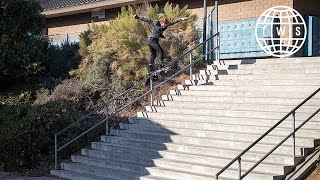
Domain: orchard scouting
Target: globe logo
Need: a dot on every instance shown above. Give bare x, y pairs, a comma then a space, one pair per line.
281, 31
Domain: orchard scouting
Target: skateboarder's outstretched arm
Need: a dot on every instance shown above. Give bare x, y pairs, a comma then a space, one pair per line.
144, 19
178, 20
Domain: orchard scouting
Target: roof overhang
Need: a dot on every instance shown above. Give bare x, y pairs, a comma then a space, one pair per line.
90, 7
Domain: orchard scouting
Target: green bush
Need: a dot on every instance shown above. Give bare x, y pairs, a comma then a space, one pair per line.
27, 131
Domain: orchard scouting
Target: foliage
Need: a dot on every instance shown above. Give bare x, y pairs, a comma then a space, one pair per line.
85, 41
116, 55
42, 96
21, 47
61, 59
69, 90
27, 131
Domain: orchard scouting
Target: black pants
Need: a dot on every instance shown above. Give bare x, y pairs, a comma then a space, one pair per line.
155, 49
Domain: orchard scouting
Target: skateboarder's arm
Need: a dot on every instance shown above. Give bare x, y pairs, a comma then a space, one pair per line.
144, 19
178, 20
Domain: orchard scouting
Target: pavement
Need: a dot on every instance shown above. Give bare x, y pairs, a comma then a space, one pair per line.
5, 175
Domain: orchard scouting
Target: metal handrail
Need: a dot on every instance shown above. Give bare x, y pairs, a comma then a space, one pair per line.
294, 130
106, 104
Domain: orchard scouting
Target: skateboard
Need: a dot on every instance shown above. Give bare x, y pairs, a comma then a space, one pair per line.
161, 70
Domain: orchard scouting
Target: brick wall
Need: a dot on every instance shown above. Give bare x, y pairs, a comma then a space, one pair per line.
231, 10
75, 23
235, 9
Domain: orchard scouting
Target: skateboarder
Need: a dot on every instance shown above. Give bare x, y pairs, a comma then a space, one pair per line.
158, 27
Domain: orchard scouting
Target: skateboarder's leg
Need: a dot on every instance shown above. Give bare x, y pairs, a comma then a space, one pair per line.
152, 58
156, 46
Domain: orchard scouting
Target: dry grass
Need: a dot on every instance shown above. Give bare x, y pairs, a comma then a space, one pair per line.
313, 176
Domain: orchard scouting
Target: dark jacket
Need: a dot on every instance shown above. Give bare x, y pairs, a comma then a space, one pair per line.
157, 30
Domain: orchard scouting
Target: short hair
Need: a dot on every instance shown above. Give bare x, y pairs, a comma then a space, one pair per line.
165, 21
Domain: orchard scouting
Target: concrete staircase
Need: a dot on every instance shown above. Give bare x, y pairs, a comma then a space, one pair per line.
198, 128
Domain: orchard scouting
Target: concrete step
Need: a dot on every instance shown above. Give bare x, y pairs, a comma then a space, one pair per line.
301, 70
230, 106
257, 88
206, 169
173, 128
185, 174
100, 171
238, 100
243, 82
66, 174
117, 156
246, 113
110, 163
264, 83
175, 174
187, 157
269, 61
203, 150
198, 82
220, 140
286, 60
217, 120
266, 76
230, 135
149, 177
226, 93
275, 65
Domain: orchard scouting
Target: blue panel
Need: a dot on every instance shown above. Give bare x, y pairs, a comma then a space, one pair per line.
237, 26
238, 39
230, 35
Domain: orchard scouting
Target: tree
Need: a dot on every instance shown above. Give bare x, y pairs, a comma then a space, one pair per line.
21, 47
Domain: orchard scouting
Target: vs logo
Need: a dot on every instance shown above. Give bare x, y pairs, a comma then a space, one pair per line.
281, 31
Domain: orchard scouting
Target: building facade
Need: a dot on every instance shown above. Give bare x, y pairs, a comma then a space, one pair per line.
67, 18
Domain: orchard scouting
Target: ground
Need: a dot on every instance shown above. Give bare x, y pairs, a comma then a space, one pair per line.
314, 176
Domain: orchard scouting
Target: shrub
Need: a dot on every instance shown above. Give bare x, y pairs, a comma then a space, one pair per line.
116, 55
27, 139
69, 90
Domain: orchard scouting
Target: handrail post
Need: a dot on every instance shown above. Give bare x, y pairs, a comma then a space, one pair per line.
151, 91
239, 168
106, 112
293, 134
218, 48
191, 65
204, 48
55, 152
